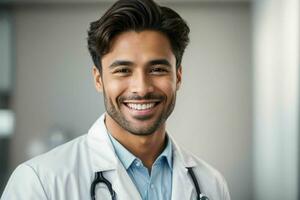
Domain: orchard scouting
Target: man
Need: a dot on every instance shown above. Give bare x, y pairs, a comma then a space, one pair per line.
137, 47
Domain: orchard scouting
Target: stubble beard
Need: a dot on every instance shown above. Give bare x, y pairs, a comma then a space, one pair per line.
121, 120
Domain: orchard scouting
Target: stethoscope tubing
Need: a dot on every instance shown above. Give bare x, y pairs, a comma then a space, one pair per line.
99, 178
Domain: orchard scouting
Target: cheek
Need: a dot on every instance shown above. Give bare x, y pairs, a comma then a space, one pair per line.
113, 88
168, 87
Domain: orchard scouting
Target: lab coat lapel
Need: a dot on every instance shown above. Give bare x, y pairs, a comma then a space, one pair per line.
103, 158
101, 151
124, 186
182, 185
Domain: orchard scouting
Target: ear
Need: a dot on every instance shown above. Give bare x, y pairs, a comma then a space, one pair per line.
97, 79
178, 77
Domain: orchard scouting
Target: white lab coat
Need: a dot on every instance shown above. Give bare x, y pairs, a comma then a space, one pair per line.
66, 173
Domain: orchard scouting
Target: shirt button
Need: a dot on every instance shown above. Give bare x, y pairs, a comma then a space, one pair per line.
152, 186
137, 164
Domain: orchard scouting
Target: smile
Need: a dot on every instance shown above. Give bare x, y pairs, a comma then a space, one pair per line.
140, 106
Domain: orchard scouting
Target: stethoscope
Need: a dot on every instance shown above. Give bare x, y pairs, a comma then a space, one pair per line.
99, 178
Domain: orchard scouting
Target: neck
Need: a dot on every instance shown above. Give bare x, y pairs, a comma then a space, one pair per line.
145, 147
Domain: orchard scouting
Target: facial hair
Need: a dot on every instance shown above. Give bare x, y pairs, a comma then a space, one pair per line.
121, 120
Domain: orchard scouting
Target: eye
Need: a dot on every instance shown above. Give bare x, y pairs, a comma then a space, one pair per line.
122, 71
159, 70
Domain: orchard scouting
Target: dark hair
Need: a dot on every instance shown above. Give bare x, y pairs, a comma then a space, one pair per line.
137, 15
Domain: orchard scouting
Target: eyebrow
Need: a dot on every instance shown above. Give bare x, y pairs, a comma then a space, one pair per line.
160, 62
121, 62
129, 63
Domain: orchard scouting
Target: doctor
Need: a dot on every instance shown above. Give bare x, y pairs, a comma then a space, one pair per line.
137, 47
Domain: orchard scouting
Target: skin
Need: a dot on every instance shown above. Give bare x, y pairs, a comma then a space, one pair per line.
139, 68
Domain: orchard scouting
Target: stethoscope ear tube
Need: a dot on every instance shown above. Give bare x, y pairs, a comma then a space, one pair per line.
200, 196
93, 188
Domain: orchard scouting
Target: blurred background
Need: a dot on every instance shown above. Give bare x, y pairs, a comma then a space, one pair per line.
237, 108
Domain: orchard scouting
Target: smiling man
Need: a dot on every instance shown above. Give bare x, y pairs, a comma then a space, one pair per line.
139, 80
137, 47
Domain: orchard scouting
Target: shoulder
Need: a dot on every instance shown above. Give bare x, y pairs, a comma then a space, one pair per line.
24, 184
40, 176
60, 158
207, 170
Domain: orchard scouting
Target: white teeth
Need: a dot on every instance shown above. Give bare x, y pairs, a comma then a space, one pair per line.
139, 106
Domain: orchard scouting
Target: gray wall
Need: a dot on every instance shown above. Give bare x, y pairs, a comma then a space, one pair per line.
214, 110
212, 119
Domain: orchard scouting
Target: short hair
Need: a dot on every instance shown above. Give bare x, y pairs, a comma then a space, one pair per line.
137, 15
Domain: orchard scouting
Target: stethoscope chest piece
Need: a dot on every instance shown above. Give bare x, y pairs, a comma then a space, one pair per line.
203, 197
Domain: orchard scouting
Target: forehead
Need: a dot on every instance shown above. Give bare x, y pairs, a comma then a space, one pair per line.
140, 46
149, 37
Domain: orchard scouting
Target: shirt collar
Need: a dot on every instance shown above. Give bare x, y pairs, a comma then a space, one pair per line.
127, 158
167, 153
123, 154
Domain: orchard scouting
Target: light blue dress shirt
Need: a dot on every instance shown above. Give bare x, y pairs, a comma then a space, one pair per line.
158, 185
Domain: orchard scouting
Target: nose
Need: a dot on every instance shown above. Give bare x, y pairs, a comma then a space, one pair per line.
141, 84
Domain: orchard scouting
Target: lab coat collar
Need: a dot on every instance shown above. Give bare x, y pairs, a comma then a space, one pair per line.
181, 179
180, 156
101, 151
